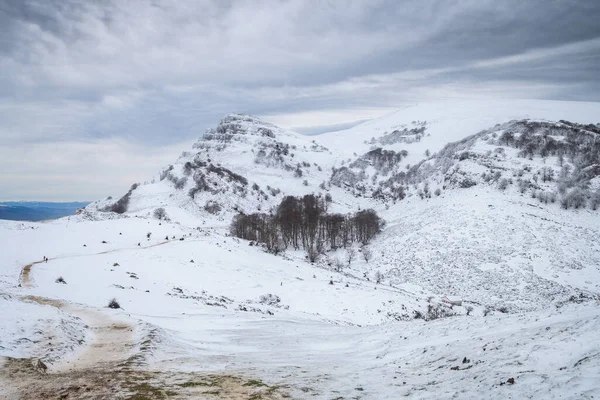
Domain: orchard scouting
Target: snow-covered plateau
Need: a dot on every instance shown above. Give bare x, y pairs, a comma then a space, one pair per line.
480, 280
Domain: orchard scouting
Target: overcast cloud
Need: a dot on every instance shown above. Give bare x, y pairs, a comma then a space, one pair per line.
95, 95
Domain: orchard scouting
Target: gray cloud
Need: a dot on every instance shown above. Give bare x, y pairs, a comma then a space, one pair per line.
144, 74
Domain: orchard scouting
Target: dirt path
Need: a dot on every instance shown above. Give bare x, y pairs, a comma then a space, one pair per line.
25, 276
110, 366
86, 372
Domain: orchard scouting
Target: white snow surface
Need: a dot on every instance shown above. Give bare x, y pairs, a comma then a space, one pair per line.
528, 275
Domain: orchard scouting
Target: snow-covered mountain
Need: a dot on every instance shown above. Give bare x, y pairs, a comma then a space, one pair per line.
492, 205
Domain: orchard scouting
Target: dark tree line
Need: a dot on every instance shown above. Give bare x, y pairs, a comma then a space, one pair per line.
303, 223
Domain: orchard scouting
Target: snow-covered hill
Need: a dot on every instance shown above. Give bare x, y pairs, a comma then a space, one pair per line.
491, 205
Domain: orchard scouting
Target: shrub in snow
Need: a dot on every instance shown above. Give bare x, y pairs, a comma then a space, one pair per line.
576, 198
467, 183
160, 213
436, 311
60, 279
269, 299
180, 183
438, 192
503, 184
378, 277
487, 310
114, 304
350, 255
212, 207
165, 172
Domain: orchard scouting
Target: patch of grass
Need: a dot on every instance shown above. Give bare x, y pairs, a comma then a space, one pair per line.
195, 384
271, 390
254, 383
145, 391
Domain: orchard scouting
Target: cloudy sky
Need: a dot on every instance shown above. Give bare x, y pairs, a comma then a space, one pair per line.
96, 95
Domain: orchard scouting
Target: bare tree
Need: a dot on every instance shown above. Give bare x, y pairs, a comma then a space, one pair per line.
312, 254
339, 265
367, 254
378, 277
350, 255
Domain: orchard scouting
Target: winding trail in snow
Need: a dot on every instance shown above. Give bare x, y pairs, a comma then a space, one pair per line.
108, 366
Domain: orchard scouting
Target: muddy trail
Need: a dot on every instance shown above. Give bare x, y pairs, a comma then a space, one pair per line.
122, 381
111, 365
25, 276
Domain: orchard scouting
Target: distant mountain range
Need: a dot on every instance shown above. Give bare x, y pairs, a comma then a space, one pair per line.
37, 210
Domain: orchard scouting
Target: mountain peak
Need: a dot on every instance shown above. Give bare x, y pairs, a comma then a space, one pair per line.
242, 124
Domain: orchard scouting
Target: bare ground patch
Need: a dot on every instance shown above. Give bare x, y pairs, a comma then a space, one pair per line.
117, 381
111, 366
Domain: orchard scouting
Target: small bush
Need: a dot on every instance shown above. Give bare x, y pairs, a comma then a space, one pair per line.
467, 183
378, 277
503, 184
437, 311
160, 213
60, 279
180, 183
212, 207
114, 304
269, 299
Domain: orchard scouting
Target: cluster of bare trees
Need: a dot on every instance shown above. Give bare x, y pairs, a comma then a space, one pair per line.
303, 223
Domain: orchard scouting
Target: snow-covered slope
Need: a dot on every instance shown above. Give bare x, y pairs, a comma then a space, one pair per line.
449, 121
498, 215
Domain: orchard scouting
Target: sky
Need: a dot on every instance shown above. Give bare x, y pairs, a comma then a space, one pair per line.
96, 95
